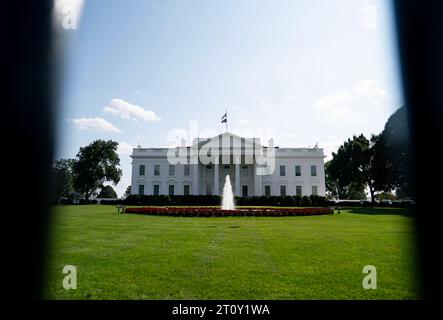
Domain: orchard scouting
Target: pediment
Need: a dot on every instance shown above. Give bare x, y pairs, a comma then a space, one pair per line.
228, 136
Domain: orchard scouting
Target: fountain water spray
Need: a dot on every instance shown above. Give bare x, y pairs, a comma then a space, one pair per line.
228, 196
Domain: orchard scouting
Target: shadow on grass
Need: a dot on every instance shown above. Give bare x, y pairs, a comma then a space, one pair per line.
407, 212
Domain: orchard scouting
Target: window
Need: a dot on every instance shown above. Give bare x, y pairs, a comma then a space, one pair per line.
313, 170
208, 190
208, 170
156, 170
282, 171
267, 191
267, 169
156, 189
171, 189
283, 191
171, 170
186, 190
314, 190
297, 171
298, 191
141, 170
244, 171
186, 169
244, 191
141, 189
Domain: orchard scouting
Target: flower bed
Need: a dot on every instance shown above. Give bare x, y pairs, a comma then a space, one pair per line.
218, 212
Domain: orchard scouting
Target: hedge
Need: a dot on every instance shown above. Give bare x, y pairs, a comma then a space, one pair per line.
366, 203
274, 201
203, 200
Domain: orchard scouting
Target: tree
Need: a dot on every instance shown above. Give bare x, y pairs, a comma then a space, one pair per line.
342, 182
386, 196
393, 155
107, 192
339, 184
352, 168
62, 179
96, 164
357, 194
381, 163
363, 162
128, 191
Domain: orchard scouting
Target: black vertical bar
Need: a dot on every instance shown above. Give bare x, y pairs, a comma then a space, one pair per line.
27, 118
420, 39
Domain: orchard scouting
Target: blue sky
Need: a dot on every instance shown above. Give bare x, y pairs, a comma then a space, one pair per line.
301, 72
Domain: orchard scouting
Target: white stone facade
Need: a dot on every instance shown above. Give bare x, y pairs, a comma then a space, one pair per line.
296, 170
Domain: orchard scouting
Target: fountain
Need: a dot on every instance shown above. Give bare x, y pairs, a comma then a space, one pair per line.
228, 197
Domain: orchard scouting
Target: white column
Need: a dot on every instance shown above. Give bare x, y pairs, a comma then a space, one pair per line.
216, 177
196, 178
257, 182
237, 177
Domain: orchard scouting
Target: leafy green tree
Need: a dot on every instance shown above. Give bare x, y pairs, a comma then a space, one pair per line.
341, 182
386, 196
357, 194
107, 192
96, 164
363, 162
352, 168
62, 179
338, 189
393, 155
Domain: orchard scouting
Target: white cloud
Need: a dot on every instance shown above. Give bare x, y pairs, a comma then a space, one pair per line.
368, 88
263, 103
343, 103
140, 93
126, 110
363, 108
98, 124
290, 98
334, 102
124, 148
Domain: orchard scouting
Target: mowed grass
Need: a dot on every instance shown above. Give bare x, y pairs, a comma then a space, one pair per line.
128, 256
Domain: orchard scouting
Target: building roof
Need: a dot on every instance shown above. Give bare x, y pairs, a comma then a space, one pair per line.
242, 142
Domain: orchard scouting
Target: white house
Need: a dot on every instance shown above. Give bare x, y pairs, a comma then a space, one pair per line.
254, 169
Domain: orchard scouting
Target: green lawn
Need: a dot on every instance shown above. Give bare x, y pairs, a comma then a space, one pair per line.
132, 256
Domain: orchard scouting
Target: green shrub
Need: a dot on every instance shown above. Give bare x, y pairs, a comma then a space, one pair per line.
203, 200
305, 202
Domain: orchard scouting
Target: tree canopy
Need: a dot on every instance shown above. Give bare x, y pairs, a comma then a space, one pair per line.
62, 179
381, 163
393, 152
351, 168
96, 164
107, 192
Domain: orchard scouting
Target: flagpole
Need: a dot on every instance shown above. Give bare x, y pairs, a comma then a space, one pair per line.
226, 120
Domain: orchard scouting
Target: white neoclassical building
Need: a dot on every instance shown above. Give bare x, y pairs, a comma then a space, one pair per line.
254, 169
